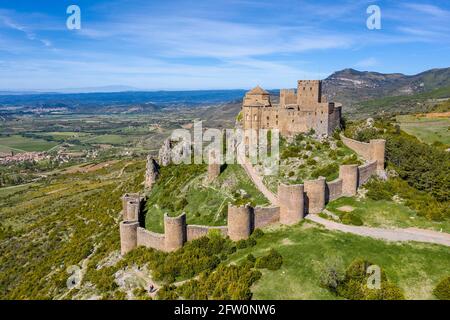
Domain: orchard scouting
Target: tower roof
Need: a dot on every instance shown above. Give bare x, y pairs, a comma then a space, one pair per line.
257, 90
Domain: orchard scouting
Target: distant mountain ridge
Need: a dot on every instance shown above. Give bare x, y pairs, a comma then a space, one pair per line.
350, 86
355, 89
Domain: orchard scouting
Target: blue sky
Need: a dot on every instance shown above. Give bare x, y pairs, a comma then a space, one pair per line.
212, 44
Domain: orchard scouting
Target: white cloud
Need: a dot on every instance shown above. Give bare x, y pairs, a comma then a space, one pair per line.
429, 9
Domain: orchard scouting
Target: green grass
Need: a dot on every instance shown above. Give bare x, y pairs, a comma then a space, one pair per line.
113, 139
387, 214
421, 102
415, 267
427, 130
18, 143
184, 188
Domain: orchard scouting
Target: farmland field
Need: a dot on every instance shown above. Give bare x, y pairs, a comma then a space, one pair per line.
428, 130
18, 143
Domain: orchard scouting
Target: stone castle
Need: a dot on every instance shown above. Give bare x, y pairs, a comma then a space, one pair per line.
299, 111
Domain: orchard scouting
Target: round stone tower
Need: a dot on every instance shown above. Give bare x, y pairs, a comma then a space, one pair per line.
133, 210
315, 195
174, 232
377, 151
239, 222
213, 166
292, 203
128, 236
349, 176
127, 197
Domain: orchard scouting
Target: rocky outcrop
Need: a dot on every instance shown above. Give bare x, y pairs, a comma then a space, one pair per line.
151, 173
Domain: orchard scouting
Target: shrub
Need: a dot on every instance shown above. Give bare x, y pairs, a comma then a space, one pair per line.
442, 290
328, 171
311, 162
352, 219
353, 285
257, 233
246, 243
272, 261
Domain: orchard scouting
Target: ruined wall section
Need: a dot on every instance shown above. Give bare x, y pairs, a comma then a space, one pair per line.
333, 190
372, 151
150, 239
196, 231
265, 216
366, 171
361, 148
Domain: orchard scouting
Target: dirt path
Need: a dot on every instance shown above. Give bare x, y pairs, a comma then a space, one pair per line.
409, 234
257, 180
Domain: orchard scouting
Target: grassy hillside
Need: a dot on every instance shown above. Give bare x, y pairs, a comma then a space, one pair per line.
184, 188
305, 158
427, 129
422, 102
69, 219
416, 268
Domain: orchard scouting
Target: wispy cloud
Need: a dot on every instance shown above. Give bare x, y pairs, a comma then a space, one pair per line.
428, 9
27, 31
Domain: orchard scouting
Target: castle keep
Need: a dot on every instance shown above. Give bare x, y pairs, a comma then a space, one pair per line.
299, 110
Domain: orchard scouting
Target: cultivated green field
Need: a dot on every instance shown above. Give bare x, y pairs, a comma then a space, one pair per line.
18, 143
428, 130
415, 267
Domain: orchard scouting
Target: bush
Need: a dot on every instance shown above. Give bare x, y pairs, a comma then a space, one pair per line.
328, 171
352, 219
311, 162
246, 243
442, 290
257, 233
353, 285
423, 203
272, 261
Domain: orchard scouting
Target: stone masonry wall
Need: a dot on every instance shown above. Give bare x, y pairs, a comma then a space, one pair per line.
333, 190
150, 239
361, 148
195, 231
366, 171
266, 215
